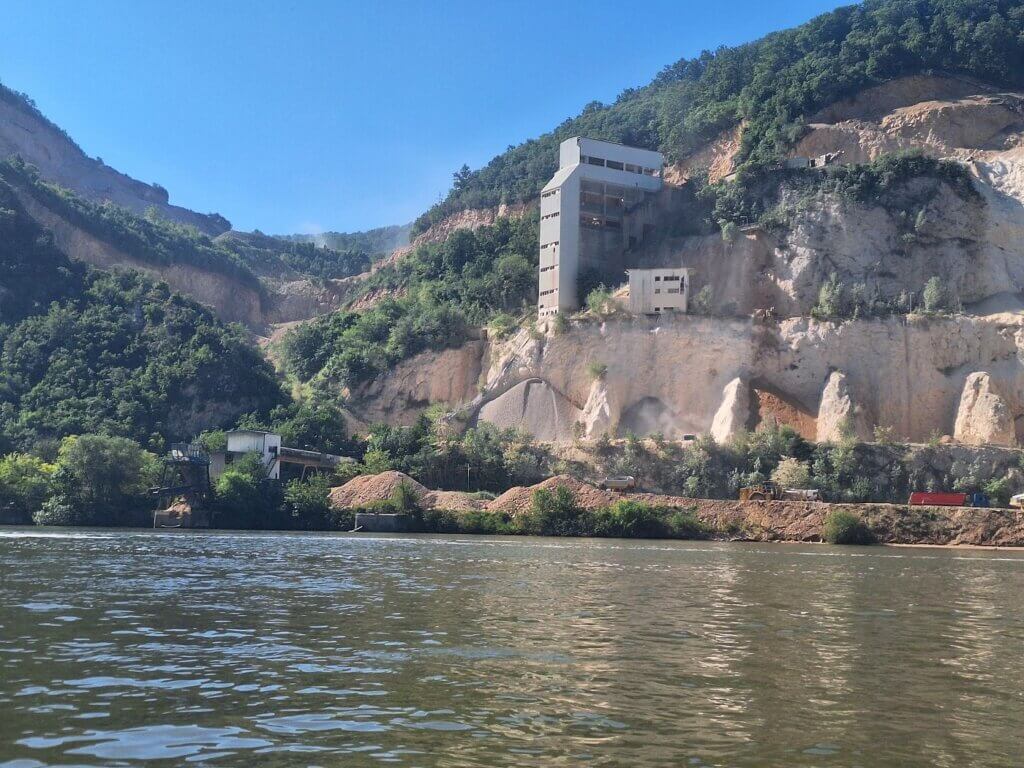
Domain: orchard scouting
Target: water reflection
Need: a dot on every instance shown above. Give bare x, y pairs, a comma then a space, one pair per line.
124, 648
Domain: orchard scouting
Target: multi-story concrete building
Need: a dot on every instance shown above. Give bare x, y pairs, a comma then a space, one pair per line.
654, 291
595, 209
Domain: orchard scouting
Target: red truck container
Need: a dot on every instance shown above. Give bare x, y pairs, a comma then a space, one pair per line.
923, 498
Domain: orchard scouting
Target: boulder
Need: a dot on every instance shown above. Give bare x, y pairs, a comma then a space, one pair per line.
983, 416
838, 415
733, 414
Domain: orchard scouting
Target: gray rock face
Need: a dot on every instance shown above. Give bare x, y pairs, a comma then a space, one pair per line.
734, 412
838, 415
534, 406
983, 416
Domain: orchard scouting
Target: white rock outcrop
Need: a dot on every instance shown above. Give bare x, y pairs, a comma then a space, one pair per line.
838, 415
536, 407
597, 417
733, 414
983, 417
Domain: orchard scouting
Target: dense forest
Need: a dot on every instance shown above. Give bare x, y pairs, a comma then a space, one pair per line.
773, 84
88, 351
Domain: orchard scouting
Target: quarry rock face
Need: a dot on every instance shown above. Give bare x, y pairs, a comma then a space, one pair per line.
983, 417
534, 406
733, 414
597, 412
912, 373
838, 415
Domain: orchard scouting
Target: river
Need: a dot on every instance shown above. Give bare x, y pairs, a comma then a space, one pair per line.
222, 649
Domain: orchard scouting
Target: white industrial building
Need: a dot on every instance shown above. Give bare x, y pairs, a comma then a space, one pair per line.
595, 209
655, 291
267, 445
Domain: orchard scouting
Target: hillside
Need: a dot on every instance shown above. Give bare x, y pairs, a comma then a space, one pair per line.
25, 132
83, 350
770, 86
880, 295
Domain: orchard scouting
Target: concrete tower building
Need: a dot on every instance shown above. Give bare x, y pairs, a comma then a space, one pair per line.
595, 209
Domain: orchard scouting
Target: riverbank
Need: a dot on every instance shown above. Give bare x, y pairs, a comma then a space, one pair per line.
585, 510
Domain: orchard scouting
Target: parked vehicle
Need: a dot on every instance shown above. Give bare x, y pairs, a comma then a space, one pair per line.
618, 483
772, 491
1017, 501
937, 499
979, 499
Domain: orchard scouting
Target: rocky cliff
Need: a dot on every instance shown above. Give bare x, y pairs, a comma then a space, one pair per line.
25, 132
761, 356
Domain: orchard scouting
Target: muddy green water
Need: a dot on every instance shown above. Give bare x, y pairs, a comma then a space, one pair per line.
169, 648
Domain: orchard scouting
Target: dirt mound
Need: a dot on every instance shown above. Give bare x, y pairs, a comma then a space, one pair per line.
517, 500
367, 489
454, 501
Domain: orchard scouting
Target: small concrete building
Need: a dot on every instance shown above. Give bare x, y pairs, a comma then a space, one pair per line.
592, 212
268, 446
655, 291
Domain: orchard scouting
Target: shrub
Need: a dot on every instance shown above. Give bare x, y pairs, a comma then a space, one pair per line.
597, 370
701, 303
555, 513
842, 527
935, 297
307, 502
404, 499
600, 302
792, 473
24, 486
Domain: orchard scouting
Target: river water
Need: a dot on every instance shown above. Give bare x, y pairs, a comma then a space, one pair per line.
172, 648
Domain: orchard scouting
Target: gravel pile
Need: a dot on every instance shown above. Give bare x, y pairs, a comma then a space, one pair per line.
364, 490
517, 500
454, 501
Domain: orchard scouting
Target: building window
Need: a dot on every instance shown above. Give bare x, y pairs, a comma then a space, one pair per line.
672, 290
614, 165
595, 161
657, 278
551, 215
593, 222
632, 168
549, 193
657, 290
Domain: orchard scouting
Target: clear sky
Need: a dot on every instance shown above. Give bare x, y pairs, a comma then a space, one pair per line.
294, 116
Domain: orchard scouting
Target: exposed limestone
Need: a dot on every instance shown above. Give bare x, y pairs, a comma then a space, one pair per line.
448, 377
983, 416
733, 414
597, 412
839, 416
534, 406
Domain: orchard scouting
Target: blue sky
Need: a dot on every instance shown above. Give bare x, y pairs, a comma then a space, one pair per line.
307, 116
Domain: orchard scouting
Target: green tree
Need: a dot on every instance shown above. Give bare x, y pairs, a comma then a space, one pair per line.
308, 502
243, 498
555, 513
25, 483
792, 473
99, 480
935, 297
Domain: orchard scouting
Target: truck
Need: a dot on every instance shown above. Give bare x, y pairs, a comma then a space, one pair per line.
773, 491
937, 499
618, 483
